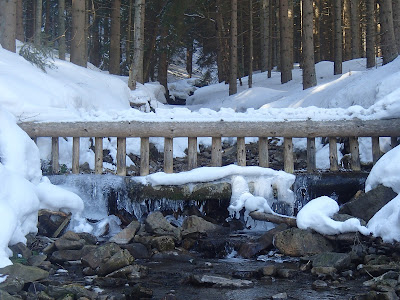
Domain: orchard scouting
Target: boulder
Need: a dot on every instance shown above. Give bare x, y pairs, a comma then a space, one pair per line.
62, 256
6, 296
97, 256
137, 250
127, 234
21, 249
163, 243
338, 261
70, 241
158, 225
119, 260
130, 272
77, 290
299, 242
25, 273
366, 205
220, 281
195, 224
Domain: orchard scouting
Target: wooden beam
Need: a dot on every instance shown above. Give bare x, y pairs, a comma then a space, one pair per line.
168, 155
355, 154
121, 156
241, 151
168, 128
192, 153
216, 152
98, 155
75, 155
55, 150
311, 156
263, 159
288, 155
333, 158
144, 156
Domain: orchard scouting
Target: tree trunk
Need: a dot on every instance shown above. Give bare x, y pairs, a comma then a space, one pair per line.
8, 24
388, 40
163, 61
317, 30
94, 53
20, 22
136, 70
78, 33
223, 46
47, 24
30, 20
189, 59
309, 77
346, 30
115, 41
233, 72
286, 67
128, 34
355, 29
396, 22
264, 34
370, 33
61, 29
251, 44
338, 37
291, 31
38, 23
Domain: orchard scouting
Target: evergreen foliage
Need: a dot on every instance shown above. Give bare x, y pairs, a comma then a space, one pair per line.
41, 57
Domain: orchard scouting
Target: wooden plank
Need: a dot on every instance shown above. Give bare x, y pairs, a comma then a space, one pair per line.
355, 154
311, 156
168, 128
192, 153
216, 152
263, 159
55, 155
75, 155
98, 155
376, 149
168, 155
393, 141
121, 156
144, 156
288, 161
333, 158
241, 151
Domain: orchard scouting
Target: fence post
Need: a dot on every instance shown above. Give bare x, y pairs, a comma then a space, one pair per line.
311, 157
355, 154
55, 155
192, 153
121, 156
393, 141
333, 158
288, 163
75, 155
216, 152
241, 151
263, 159
144, 156
168, 155
376, 150
98, 155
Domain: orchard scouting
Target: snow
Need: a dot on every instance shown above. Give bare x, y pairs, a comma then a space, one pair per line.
72, 93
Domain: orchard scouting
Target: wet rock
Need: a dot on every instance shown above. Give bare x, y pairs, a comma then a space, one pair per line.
50, 221
345, 217
319, 285
213, 247
376, 270
12, 285
110, 282
65, 255
240, 274
336, 260
127, 234
137, 250
366, 205
324, 272
195, 224
298, 242
6, 296
25, 273
269, 270
119, 260
90, 239
389, 279
22, 250
279, 296
163, 243
70, 241
158, 225
286, 273
77, 290
130, 272
249, 249
94, 258
37, 260
219, 281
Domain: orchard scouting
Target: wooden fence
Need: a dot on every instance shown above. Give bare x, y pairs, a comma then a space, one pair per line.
216, 129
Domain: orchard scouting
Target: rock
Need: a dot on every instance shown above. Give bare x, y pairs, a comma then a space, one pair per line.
366, 205
110, 281
173, 256
286, 273
269, 270
195, 224
243, 274
324, 271
319, 285
127, 234
130, 272
158, 225
94, 258
279, 296
65, 255
376, 270
345, 217
298, 242
90, 239
22, 250
336, 260
70, 241
37, 260
163, 243
119, 260
6, 296
60, 291
12, 285
249, 249
25, 273
137, 250
219, 281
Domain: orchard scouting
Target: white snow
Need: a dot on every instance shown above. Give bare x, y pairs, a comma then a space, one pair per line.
72, 93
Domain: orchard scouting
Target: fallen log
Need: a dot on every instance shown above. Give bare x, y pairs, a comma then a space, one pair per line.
277, 219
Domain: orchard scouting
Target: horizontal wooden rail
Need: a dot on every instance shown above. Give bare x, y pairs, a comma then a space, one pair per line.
171, 129
145, 129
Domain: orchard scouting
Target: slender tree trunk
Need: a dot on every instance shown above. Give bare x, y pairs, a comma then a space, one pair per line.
189, 59
251, 44
396, 22
163, 61
338, 37
270, 38
264, 34
47, 23
355, 29
291, 31
309, 77
286, 67
20, 22
115, 42
8, 24
347, 30
128, 34
388, 40
136, 70
370, 33
317, 29
38, 23
94, 56
241, 48
223, 46
233, 57
61, 29
30, 20
87, 29
78, 33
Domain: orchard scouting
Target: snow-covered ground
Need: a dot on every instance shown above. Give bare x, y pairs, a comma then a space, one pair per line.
71, 93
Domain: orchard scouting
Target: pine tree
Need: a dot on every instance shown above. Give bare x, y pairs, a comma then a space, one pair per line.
309, 77
8, 24
78, 39
233, 71
115, 41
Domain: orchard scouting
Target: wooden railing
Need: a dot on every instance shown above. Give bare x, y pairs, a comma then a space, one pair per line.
216, 129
